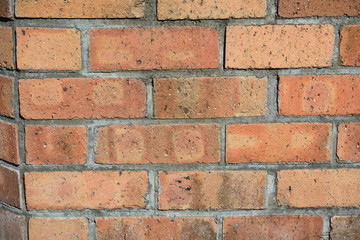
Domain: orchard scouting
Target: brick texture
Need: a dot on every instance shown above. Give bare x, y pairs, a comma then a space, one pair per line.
6, 96
7, 46
12, 226
350, 45
345, 227
9, 187
9, 146
348, 146
5, 9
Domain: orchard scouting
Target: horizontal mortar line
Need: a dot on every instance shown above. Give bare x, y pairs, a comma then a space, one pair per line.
9, 165
13, 209
7, 72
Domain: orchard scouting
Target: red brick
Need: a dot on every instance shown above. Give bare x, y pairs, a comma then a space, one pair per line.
82, 98
12, 226
348, 147
318, 8
56, 145
211, 9
9, 187
319, 188
6, 96
210, 97
279, 46
212, 190
350, 45
80, 9
154, 48
278, 142
5, 10
58, 229
158, 144
345, 227
88, 189
7, 46
48, 48
273, 227
149, 228
319, 95
9, 146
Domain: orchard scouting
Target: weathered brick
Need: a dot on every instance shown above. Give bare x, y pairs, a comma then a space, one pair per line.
158, 144
88, 189
278, 142
345, 227
211, 9
318, 8
210, 97
80, 9
319, 188
12, 226
319, 95
48, 48
148, 228
9, 187
279, 46
348, 147
350, 45
56, 145
273, 227
6, 96
154, 48
212, 190
5, 10
82, 98
6, 49
58, 229
9, 145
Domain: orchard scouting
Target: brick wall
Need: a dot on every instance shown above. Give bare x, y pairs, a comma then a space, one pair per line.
179, 119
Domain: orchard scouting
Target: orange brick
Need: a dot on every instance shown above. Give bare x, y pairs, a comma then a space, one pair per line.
319, 95
348, 146
350, 45
88, 189
210, 97
211, 9
154, 48
273, 227
82, 98
80, 9
212, 190
9, 145
9, 187
149, 228
48, 49
56, 145
58, 229
345, 227
319, 188
5, 9
12, 226
279, 46
6, 96
279, 142
158, 144
6, 49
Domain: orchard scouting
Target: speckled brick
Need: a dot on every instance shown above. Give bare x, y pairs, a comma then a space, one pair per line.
350, 45
5, 9
346, 227
7, 46
348, 144
12, 226
9, 187
6, 96
9, 144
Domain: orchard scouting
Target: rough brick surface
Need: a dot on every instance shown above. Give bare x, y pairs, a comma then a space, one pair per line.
345, 227
80, 9
350, 45
158, 144
5, 9
280, 142
6, 96
56, 145
12, 226
82, 98
319, 95
212, 190
7, 46
9, 187
9, 146
88, 189
58, 229
320, 8
281, 46
211, 9
48, 48
156, 228
348, 146
154, 48
210, 97
273, 227
319, 188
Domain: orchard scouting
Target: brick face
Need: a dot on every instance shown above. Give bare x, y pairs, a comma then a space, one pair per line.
6, 96
9, 146
9, 187
7, 46
350, 45
5, 9
349, 141
12, 226
345, 227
